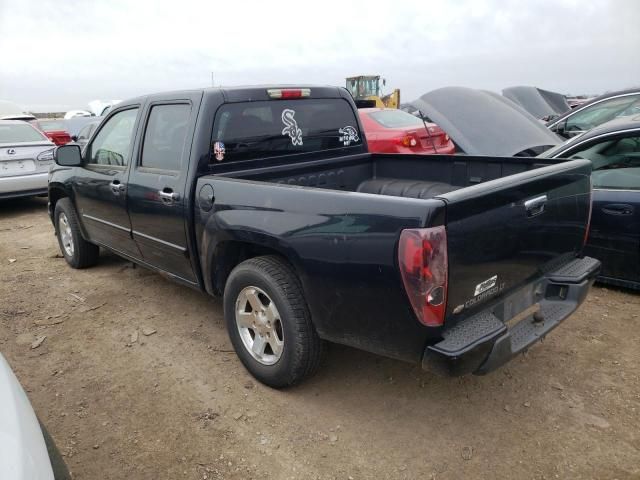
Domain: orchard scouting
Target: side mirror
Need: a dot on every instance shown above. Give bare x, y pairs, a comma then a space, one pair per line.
74, 138
561, 127
68, 156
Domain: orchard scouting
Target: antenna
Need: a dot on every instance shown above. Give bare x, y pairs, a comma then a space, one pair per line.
426, 127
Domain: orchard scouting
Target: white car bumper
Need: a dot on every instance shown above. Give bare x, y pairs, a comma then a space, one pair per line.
23, 452
23, 185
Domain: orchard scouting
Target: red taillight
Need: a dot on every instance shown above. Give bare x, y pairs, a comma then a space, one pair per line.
422, 255
286, 93
409, 140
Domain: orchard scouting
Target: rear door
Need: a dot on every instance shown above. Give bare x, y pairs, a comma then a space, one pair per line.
504, 233
157, 185
100, 187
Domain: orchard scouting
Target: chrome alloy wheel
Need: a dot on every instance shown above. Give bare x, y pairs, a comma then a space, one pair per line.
66, 237
259, 325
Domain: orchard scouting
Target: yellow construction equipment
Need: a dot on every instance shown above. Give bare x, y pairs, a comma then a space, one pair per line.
366, 91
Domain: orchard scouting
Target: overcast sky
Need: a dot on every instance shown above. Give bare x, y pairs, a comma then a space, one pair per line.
58, 54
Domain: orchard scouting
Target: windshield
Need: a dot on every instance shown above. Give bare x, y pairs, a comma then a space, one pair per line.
616, 161
364, 87
553, 152
19, 133
602, 112
51, 125
395, 119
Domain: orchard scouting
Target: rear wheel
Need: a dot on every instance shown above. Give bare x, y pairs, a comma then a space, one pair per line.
269, 324
76, 250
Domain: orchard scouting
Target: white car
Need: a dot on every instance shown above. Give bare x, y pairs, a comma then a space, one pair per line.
12, 111
76, 113
26, 450
100, 108
25, 157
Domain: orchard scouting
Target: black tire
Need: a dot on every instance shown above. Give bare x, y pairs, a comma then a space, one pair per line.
302, 348
84, 254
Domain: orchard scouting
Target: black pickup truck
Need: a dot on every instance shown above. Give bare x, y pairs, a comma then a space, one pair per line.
268, 197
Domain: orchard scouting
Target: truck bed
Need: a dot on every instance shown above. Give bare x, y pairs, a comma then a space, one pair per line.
409, 176
344, 244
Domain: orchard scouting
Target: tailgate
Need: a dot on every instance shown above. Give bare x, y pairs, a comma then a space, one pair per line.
505, 233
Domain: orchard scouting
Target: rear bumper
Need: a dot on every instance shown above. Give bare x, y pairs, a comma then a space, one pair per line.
489, 339
23, 185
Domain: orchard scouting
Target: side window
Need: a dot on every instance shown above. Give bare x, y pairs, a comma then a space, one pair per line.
165, 136
603, 112
85, 133
616, 163
112, 144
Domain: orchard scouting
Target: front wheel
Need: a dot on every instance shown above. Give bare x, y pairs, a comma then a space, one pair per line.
76, 250
269, 324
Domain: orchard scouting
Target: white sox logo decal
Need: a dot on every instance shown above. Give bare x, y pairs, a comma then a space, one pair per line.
348, 134
291, 127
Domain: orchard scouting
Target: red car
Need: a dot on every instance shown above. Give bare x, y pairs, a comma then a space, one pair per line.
394, 131
54, 129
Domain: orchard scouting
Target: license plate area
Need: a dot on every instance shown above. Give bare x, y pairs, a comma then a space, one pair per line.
520, 305
17, 167
513, 321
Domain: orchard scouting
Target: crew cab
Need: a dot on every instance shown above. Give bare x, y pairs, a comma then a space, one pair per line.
269, 197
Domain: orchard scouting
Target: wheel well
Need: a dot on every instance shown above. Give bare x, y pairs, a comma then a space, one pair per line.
230, 254
55, 194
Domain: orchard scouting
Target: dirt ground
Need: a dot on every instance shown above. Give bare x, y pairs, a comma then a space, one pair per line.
178, 404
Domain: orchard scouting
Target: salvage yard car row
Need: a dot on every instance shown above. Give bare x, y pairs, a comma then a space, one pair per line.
270, 198
461, 126
276, 202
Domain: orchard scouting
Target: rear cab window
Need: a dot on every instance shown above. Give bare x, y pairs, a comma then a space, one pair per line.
261, 129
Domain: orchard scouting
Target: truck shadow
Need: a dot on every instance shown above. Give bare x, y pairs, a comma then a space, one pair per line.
21, 206
350, 377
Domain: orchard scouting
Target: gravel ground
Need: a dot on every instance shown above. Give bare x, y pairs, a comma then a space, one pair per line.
135, 378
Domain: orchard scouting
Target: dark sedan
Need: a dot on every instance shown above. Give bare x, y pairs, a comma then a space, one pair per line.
596, 112
614, 237
83, 136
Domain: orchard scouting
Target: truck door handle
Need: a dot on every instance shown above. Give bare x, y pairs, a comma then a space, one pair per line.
618, 209
168, 196
535, 206
116, 187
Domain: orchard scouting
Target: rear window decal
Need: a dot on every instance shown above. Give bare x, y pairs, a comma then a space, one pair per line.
291, 127
348, 134
219, 151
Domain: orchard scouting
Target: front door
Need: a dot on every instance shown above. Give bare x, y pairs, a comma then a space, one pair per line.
101, 186
614, 237
157, 186
615, 232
